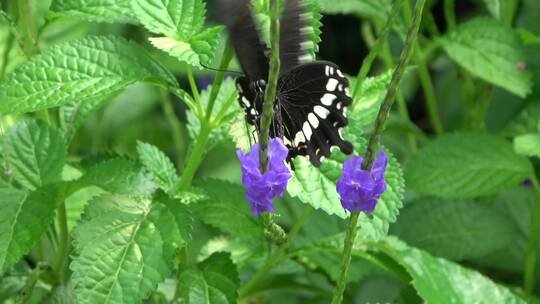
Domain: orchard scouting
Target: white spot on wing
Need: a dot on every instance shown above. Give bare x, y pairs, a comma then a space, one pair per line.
321, 111
328, 98
313, 120
307, 130
287, 141
253, 112
340, 87
331, 84
338, 105
327, 70
298, 138
340, 74
347, 92
304, 58
245, 101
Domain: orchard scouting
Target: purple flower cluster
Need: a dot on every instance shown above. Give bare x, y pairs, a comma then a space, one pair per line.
361, 189
262, 188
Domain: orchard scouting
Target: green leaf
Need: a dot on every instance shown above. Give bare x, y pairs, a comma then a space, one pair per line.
125, 247
369, 8
441, 281
317, 187
172, 18
196, 52
110, 11
73, 115
79, 70
182, 217
368, 101
226, 208
466, 165
24, 218
120, 176
527, 144
213, 281
181, 21
35, 152
159, 165
491, 51
454, 230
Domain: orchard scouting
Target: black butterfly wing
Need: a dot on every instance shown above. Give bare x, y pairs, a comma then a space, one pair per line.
244, 37
293, 35
250, 99
313, 98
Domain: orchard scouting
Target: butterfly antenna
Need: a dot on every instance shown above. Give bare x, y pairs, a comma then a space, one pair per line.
218, 70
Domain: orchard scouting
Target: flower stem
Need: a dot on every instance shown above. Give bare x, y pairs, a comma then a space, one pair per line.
270, 92
530, 258
273, 231
374, 141
195, 157
375, 50
277, 256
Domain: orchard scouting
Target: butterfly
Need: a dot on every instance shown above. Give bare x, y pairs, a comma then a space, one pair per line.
312, 97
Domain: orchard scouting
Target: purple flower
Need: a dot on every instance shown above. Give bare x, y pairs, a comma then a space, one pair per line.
360, 189
262, 188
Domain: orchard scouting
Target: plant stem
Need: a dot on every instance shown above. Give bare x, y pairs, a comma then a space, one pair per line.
270, 92
277, 256
449, 14
374, 141
216, 85
375, 50
176, 127
530, 258
28, 29
195, 157
195, 93
5, 56
26, 291
402, 105
192, 164
425, 81
64, 247
272, 230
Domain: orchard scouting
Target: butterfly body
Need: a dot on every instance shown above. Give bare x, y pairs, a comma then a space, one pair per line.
311, 97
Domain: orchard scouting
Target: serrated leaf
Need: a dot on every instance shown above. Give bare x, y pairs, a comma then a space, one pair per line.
491, 51
466, 165
182, 216
159, 165
368, 101
24, 218
80, 70
181, 21
172, 18
120, 176
214, 281
454, 230
109, 11
197, 51
441, 281
317, 187
124, 247
35, 152
527, 144
226, 208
